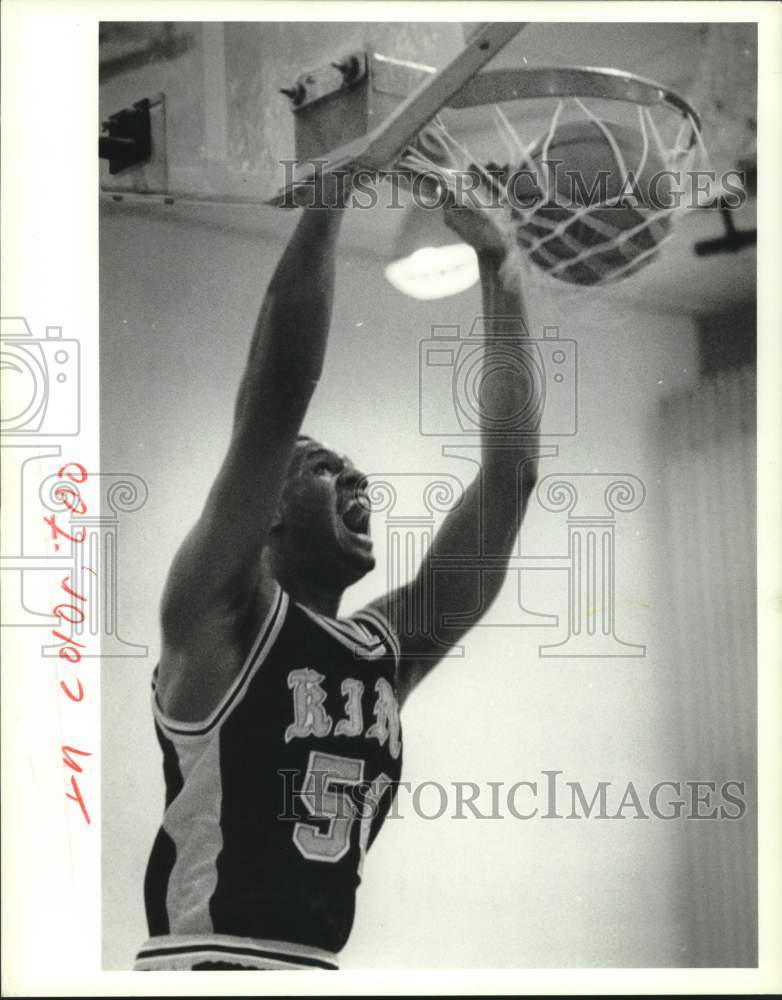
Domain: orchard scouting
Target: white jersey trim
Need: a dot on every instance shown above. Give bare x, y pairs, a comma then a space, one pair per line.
355, 635
183, 951
267, 636
380, 621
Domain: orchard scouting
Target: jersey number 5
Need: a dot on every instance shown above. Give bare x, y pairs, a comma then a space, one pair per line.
326, 795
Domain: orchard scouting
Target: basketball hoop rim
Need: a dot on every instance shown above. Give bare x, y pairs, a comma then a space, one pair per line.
533, 82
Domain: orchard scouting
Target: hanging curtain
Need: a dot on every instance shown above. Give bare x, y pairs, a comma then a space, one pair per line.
710, 462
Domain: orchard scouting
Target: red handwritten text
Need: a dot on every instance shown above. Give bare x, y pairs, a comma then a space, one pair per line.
70, 611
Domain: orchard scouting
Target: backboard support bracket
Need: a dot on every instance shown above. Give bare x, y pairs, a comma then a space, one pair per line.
376, 149
134, 143
347, 98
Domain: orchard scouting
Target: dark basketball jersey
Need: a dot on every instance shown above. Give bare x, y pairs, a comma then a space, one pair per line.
272, 802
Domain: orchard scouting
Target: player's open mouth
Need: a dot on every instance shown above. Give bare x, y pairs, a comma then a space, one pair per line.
355, 517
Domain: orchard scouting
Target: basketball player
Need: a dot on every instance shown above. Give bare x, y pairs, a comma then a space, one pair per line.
279, 721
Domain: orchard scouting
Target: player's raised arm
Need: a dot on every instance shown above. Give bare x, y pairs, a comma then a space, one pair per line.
217, 570
484, 525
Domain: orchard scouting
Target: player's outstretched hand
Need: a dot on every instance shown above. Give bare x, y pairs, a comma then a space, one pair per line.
472, 209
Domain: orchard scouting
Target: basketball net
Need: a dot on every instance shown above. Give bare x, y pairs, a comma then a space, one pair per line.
612, 254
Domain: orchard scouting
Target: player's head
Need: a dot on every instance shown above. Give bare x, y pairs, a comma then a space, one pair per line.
322, 524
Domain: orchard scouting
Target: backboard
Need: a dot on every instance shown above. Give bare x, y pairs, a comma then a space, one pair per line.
225, 126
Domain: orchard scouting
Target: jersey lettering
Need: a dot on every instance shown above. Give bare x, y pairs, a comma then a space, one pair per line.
386, 725
353, 725
311, 718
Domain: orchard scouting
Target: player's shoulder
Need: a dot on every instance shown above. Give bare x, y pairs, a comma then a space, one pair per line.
195, 681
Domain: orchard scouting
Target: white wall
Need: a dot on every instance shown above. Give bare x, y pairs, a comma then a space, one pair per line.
178, 303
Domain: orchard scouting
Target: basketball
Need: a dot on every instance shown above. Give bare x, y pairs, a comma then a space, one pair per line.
582, 166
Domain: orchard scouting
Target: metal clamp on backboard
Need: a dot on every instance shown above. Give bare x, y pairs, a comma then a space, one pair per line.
128, 138
134, 140
347, 98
